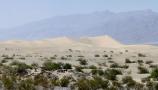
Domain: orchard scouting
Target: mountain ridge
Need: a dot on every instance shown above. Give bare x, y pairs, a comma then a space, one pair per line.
127, 27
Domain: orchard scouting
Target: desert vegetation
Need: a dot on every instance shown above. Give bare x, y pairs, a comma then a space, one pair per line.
77, 70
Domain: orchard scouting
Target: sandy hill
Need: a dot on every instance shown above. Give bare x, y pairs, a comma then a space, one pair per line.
101, 41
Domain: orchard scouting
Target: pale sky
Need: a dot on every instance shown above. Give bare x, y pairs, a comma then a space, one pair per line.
17, 12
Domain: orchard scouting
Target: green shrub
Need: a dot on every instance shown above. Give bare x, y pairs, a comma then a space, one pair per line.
96, 55
154, 73
27, 84
110, 74
78, 69
20, 67
41, 80
128, 81
149, 62
142, 70
83, 62
141, 55
92, 67
67, 66
48, 65
4, 61
114, 65
94, 71
64, 81
140, 61
8, 83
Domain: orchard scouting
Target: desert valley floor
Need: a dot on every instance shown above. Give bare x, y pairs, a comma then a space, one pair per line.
85, 56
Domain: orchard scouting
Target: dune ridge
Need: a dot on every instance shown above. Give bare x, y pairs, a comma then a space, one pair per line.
98, 41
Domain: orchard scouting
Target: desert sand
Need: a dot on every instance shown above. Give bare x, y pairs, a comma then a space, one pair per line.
100, 51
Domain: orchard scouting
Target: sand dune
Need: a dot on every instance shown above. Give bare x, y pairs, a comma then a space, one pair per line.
100, 41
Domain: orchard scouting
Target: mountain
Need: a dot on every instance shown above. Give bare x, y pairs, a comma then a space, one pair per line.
131, 27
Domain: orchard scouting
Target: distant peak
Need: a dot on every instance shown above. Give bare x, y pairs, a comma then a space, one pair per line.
107, 12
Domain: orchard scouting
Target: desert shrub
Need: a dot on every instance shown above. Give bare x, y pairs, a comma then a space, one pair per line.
142, 70
98, 83
92, 84
41, 80
8, 82
22, 58
143, 80
114, 65
105, 55
152, 85
141, 55
153, 66
110, 74
67, 66
27, 84
64, 81
78, 69
63, 58
81, 56
83, 84
35, 65
112, 51
94, 72
4, 61
128, 81
7, 57
53, 57
96, 55
82, 61
109, 58
149, 62
97, 72
100, 72
21, 68
48, 65
69, 55
55, 82
149, 85
154, 73
138, 86
92, 67
140, 61
129, 61
124, 66
111, 61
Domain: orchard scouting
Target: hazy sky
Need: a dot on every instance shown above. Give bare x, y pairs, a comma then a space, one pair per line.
17, 12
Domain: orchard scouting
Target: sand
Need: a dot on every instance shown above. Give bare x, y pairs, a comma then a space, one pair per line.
40, 50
